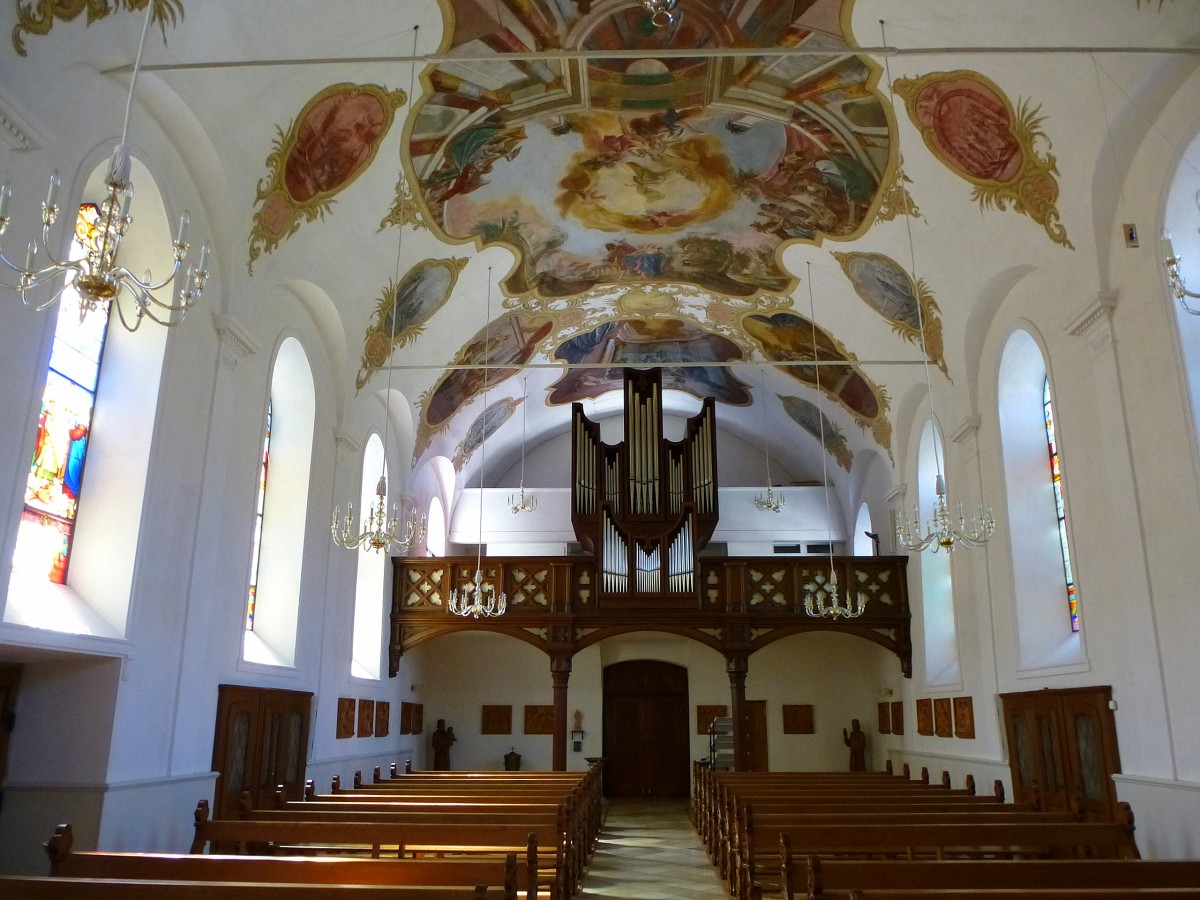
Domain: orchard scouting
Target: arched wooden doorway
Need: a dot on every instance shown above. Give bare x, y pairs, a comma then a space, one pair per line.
646, 746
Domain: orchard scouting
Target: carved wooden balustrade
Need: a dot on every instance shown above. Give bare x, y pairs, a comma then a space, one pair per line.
743, 603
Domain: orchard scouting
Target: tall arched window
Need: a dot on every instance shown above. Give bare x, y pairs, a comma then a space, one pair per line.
864, 544
937, 592
87, 590
291, 413
1043, 578
55, 475
1060, 510
367, 643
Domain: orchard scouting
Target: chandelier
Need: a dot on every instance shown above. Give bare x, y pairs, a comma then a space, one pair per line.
379, 532
662, 12
98, 276
1174, 276
480, 600
518, 504
769, 502
942, 532
821, 600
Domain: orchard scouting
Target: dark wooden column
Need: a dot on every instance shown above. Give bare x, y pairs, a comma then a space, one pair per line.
560, 674
736, 666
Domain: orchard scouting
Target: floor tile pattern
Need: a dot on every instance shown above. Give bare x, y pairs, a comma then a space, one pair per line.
648, 850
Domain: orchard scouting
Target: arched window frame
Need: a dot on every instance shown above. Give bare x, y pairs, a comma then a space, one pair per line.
292, 404
1045, 641
96, 599
366, 646
943, 668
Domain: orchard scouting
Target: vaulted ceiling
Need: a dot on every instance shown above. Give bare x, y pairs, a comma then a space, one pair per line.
559, 188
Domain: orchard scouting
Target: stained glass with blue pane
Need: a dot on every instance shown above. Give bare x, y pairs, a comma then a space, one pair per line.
55, 479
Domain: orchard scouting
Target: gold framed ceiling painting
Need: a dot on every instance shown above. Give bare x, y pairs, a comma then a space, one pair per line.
656, 168
330, 144
37, 17
971, 127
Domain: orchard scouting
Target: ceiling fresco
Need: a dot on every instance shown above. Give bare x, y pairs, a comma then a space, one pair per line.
648, 196
654, 168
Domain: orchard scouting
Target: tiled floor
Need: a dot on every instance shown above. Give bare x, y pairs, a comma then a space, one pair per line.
648, 850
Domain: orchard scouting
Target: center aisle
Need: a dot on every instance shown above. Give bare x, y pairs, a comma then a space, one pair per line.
648, 849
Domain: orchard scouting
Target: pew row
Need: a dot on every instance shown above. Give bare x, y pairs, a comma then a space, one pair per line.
760, 866
542, 847
464, 872
36, 887
834, 877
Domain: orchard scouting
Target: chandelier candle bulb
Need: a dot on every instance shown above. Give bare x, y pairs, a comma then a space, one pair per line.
51, 205
5, 195
181, 235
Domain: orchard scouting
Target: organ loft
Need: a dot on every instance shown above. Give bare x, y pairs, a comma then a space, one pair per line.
645, 508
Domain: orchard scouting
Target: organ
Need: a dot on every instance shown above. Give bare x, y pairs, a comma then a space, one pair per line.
645, 507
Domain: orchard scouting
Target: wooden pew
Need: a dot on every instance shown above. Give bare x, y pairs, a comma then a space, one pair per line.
1093, 893
761, 859
375, 839
34, 887
466, 872
830, 875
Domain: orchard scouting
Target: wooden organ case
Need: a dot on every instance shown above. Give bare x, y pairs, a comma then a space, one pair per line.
645, 507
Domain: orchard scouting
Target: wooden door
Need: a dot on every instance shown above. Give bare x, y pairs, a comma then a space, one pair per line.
1062, 747
754, 732
646, 745
260, 741
1090, 743
10, 677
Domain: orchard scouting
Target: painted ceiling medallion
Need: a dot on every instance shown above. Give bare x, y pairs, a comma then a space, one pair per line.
403, 309
37, 17
331, 142
806, 414
788, 339
497, 350
890, 291
642, 343
612, 170
970, 125
485, 425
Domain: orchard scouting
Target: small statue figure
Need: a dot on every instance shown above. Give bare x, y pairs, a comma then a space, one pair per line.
443, 737
578, 720
856, 740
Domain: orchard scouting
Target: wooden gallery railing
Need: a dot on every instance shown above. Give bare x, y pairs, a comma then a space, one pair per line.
740, 605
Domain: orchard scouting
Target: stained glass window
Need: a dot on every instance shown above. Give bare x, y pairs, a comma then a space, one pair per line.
1056, 479
258, 523
55, 479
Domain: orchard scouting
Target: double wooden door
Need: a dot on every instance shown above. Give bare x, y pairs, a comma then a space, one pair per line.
1062, 745
646, 743
260, 742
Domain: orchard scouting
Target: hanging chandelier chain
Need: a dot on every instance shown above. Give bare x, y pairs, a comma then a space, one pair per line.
767, 502
379, 531
480, 600
822, 601
941, 532
517, 502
